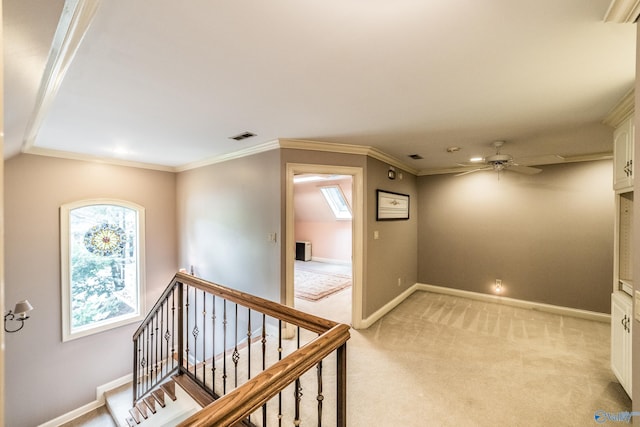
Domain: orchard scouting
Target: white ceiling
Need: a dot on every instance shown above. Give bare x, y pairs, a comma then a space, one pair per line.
167, 83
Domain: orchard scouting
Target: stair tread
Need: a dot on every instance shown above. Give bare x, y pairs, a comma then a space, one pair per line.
143, 409
193, 389
151, 403
169, 388
159, 396
135, 415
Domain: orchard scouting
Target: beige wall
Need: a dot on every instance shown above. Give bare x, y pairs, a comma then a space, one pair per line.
549, 236
393, 255
47, 377
225, 214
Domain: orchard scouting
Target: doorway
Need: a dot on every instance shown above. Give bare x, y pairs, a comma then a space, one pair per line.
343, 304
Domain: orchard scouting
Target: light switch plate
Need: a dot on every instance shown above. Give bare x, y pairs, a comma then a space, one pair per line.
637, 306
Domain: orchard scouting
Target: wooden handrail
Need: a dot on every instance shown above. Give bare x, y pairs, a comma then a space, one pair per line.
249, 397
270, 308
155, 307
246, 399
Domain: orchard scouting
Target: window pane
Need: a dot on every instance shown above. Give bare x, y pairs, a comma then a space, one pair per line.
103, 264
335, 198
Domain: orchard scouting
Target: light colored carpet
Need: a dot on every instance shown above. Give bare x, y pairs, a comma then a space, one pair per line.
313, 285
446, 361
438, 360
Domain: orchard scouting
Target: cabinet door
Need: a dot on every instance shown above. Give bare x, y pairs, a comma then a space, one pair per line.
617, 339
621, 322
623, 155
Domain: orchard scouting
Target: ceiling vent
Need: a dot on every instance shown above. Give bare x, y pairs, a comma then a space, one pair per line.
243, 135
416, 156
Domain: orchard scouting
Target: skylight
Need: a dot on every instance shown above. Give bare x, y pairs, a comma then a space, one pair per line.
337, 202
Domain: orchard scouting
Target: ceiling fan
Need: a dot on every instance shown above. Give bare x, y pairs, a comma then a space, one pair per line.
502, 162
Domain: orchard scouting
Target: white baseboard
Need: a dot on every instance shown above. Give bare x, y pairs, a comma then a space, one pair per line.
100, 390
330, 261
555, 309
387, 308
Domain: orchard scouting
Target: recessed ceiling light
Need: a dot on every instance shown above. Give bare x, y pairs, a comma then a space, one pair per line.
243, 135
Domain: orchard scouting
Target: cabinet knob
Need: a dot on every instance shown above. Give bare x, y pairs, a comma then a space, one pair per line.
628, 168
625, 323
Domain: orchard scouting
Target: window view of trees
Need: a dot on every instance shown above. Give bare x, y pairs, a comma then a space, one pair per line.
103, 263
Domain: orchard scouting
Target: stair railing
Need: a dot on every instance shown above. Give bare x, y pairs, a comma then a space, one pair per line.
254, 357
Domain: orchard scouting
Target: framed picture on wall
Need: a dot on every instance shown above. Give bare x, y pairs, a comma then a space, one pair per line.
391, 206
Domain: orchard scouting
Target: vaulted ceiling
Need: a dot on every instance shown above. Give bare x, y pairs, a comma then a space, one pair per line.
168, 83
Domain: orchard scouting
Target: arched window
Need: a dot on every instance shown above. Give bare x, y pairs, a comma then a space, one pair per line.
102, 253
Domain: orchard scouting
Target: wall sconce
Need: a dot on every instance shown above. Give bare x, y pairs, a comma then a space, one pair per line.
19, 314
498, 286
391, 174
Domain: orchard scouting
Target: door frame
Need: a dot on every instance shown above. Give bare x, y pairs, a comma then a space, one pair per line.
357, 231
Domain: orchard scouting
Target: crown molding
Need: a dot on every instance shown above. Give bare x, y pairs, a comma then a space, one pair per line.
279, 144
384, 157
623, 11
74, 23
621, 111
38, 151
333, 147
95, 159
261, 148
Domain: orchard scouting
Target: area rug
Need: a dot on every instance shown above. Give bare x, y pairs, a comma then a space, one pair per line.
316, 285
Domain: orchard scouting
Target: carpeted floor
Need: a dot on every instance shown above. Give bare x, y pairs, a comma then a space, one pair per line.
446, 361
438, 360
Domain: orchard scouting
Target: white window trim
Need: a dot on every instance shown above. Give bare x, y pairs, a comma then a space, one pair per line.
65, 258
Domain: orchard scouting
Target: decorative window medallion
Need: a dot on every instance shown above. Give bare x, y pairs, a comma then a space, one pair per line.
102, 266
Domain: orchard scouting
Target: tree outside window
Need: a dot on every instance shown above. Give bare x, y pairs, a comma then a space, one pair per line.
101, 248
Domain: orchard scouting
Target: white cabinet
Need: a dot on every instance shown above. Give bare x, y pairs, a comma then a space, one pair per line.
621, 119
623, 243
621, 324
623, 155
